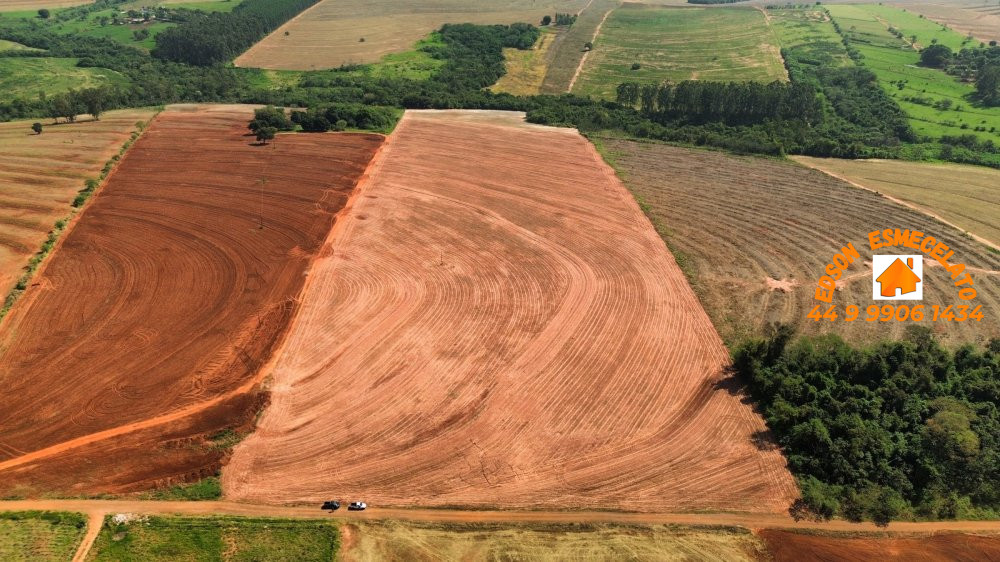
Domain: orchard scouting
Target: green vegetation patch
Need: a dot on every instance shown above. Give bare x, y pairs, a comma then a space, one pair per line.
26, 77
937, 103
40, 535
650, 45
12, 46
127, 537
902, 429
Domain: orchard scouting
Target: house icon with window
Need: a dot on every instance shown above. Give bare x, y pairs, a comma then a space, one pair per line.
900, 277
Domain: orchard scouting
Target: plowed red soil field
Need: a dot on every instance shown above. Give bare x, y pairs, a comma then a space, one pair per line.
793, 547
499, 325
152, 321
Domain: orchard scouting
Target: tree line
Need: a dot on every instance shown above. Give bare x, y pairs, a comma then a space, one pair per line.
218, 37
901, 429
734, 103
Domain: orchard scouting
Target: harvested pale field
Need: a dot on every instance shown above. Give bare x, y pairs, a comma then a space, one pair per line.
375, 540
787, 546
497, 324
330, 33
150, 325
680, 43
965, 196
977, 17
41, 175
526, 68
756, 234
20, 5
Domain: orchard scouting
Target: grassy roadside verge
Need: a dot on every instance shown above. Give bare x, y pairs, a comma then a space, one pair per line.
40, 535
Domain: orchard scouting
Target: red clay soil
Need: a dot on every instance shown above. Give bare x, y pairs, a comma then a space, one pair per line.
953, 547
499, 325
150, 325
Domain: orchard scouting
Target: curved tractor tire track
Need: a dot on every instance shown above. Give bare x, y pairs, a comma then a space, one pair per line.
152, 322
499, 325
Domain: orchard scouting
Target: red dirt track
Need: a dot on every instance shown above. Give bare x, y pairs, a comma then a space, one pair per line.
500, 326
786, 546
151, 323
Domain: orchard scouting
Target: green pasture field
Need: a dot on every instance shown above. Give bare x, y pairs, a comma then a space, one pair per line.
12, 46
25, 77
91, 26
152, 539
414, 64
808, 28
925, 30
675, 44
896, 64
40, 536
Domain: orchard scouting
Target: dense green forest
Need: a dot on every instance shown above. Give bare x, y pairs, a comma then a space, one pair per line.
899, 429
219, 37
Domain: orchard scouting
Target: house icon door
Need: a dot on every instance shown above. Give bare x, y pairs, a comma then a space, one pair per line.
897, 278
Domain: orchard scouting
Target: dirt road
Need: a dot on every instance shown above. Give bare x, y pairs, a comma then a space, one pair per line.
748, 520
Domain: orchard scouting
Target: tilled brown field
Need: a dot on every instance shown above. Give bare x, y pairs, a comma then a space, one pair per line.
756, 235
41, 175
330, 33
150, 325
787, 546
499, 325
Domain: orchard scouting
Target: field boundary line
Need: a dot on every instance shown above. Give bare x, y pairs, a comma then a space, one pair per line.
920, 209
71, 220
259, 377
583, 59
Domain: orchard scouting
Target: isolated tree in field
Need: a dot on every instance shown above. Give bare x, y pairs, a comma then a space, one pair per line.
37, 127
44, 14
270, 116
265, 134
935, 56
66, 106
588, 46
988, 85
94, 101
546, 20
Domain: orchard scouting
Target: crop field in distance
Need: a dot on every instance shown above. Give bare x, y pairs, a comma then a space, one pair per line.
374, 540
40, 536
196, 247
337, 32
568, 54
978, 17
675, 44
602, 376
965, 196
776, 226
166, 539
32, 5
895, 61
41, 175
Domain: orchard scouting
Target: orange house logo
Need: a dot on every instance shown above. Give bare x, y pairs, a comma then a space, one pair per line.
897, 278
